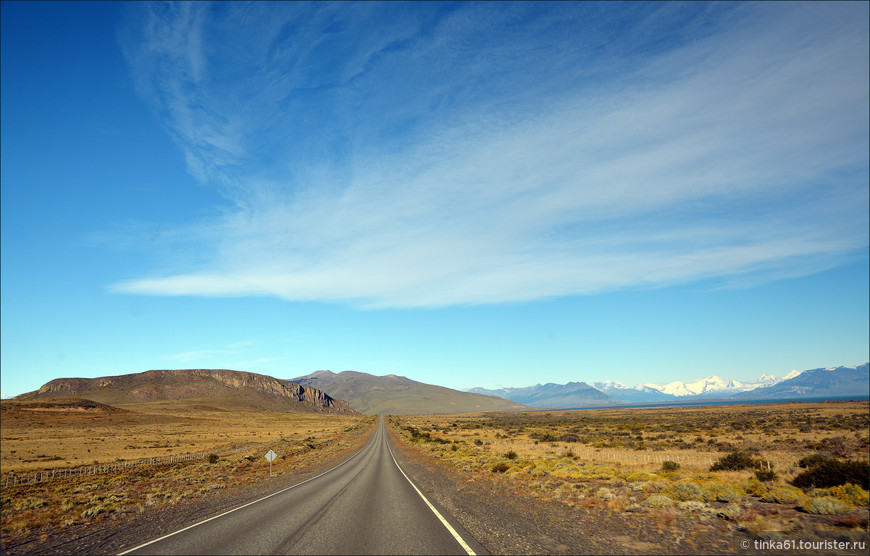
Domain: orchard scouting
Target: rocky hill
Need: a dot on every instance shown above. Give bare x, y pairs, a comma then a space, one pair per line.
393, 394
236, 387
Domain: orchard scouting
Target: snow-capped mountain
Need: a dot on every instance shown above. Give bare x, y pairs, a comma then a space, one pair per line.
833, 381
638, 393
714, 385
710, 385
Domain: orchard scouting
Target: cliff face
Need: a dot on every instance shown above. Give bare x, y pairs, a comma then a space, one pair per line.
253, 388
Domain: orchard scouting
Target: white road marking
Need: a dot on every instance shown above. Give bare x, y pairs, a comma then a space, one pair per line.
248, 504
453, 532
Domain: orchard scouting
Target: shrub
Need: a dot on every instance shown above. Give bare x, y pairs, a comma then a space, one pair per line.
605, 493
721, 492
670, 465
850, 493
213, 458
735, 461
658, 501
500, 467
692, 506
813, 460
825, 505
754, 487
638, 476
684, 491
478, 442
730, 512
765, 476
784, 495
510, 454
833, 472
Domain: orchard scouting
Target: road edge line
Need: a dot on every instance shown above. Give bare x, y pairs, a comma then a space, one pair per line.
254, 502
446, 524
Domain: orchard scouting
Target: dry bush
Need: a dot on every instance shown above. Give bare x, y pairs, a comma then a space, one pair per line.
785, 494
825, 505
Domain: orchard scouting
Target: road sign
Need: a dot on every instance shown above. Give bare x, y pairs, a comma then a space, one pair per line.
270, 455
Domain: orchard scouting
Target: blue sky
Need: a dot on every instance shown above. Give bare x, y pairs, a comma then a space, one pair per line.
465, 194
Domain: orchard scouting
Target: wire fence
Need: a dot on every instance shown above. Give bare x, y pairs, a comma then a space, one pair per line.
691, 460
14, 479
32, 477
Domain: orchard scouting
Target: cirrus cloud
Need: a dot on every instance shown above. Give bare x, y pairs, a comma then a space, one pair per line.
485, 154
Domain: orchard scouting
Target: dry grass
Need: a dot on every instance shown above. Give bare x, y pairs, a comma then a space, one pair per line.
149, 430
39, 439
612, 458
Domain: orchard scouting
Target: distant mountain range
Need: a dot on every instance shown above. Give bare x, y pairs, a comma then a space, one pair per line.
552, 395
833, 381
399, 395
217, 387
351, 392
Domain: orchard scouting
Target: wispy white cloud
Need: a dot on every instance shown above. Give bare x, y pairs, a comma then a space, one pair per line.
738, 152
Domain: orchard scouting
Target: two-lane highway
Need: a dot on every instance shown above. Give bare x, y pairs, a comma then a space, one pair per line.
366, 505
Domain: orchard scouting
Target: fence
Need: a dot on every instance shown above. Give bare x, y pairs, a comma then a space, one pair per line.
14, 479
704, 461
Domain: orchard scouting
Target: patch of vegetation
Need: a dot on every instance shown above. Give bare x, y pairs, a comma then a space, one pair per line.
850, 493
658, 501
765, 476
670, 466
500, 467
826, 505
683, 491
829, 472
735, 461
784, 495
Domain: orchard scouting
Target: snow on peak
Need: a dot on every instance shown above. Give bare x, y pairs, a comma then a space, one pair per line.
792, 375
610, 385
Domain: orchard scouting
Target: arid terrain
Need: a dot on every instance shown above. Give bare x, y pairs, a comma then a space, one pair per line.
227, 444
611, 464
604, 481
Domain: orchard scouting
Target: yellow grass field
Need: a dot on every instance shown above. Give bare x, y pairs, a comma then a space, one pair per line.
641, 438
39, 438
657, 461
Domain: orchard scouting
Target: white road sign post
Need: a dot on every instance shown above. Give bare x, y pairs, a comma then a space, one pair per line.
270, 456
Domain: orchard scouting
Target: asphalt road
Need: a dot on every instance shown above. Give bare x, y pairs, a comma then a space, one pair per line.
366, 505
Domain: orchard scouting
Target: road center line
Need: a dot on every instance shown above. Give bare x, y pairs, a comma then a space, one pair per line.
450, 528
251, 503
